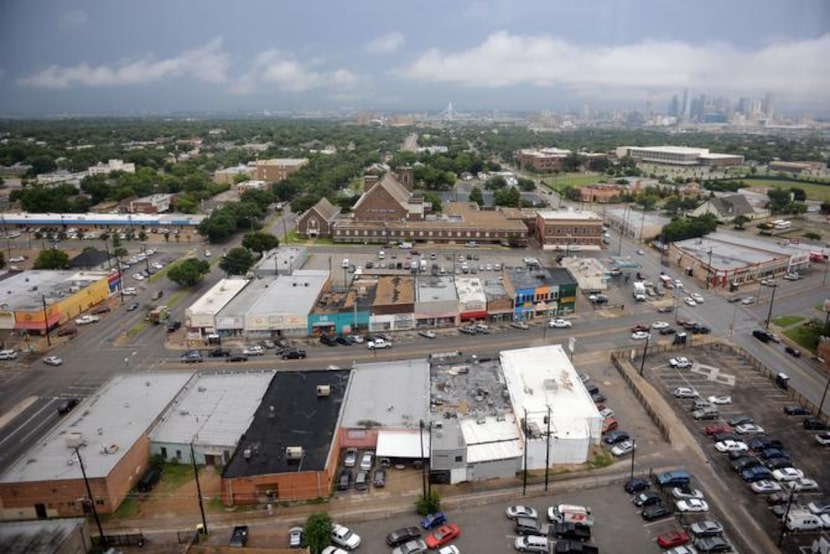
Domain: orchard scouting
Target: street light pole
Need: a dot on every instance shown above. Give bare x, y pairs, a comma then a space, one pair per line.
633, 451
645, 350
771, 302
91, 500
524, 477
198, 489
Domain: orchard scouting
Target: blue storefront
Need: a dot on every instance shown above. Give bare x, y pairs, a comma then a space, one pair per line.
338, 323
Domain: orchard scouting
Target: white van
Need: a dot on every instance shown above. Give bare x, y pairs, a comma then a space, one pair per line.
803, 521
570, 512
532, 543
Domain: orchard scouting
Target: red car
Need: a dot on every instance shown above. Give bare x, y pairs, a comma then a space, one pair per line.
670, 539
442, 535
609, 425
717, 428
640, 327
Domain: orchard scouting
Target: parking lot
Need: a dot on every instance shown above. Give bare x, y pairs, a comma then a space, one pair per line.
718, 371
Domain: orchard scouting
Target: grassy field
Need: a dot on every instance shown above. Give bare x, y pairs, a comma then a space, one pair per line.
557, 182
814, 191
788, 320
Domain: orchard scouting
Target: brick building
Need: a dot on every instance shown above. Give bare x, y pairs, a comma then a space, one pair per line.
317, 221
569, 230
277, 169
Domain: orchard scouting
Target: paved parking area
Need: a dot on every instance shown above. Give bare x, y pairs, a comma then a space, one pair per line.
722, 372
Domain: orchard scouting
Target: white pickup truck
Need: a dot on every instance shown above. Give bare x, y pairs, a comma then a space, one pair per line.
378, 344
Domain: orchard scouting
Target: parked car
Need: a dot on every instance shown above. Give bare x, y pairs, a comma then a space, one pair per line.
615, 437
692, 505
380, 478
442, 535
52, 360
253, 350
515, 512
350, 458
635, 485
656, 511
685, 392
647, 498
670, 539
239, 536
402, 535
749, 429
765, 486
293, 354
427, 334
328, 340
682, 493
237, 357
520, 325
191, 356
8, 354
680, 362
814, 424
173, 326
87, 319
623, 449
560, 324
433, 520
295, 537
345, 537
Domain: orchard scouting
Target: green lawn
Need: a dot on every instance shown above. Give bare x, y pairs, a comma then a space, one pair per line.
788, 320
814, 191
557, 182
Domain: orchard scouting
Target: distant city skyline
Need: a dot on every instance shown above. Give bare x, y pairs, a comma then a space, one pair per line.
95, 56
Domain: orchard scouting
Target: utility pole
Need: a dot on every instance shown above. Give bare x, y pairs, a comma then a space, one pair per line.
633, 452
198, 489
524, 477
823, 397
771, 302
645, 350
784, 519
45, 320
547, 452
91, 500
709, 269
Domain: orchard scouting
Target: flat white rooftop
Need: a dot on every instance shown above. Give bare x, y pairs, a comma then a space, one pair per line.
214, 409
491, 438
393, 394
470, 290
541, 379
672, 149
109, 422
218, 296
435, 289
568, 214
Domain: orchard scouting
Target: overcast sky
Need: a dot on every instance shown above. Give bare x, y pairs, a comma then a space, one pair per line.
105, 56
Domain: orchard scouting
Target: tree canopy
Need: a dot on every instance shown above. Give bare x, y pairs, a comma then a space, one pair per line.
188, 272
317, 531
52, 258
260, 242
237, 261
689, 227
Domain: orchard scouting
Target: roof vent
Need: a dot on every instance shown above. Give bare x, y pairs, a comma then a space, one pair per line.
74, 439
323, 391
294, 453
246, 453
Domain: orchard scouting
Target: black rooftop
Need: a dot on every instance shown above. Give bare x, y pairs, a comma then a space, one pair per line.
290, 415
524, 278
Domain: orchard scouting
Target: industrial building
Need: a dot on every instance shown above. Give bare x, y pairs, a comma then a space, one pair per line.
730, 261
559, 420
110, 432
40, 299
200, 317
281, 261
290, 450
209, 416
679, 155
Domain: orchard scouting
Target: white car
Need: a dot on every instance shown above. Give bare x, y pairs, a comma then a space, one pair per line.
255, 350
803, 484
623, 449
748, 300
52, 360
515, 512
367, 461
681, 362
138, 276
692, 505
639, 335
765, 486
333, 550
130, 291
749, 429
788, 276
427, 334
697, 297
86, 319
731, 446
684, 493
17, 259
787, 474
606, 413
345, 537
685, 392
720, 399
450, 549
660, 325
8, 354
689, 302
560, 323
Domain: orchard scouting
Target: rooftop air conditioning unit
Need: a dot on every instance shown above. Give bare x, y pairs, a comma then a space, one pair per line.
294, 453
74, 439
323, 390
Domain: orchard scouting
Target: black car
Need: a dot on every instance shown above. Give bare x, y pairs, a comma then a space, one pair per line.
237, 358
219, 353
761, 335
402, 535
328, 340
665, 309
794, 352
293, 354
636, 485
174, 326
380, 478
739, 420
668, 331
796, 410
698, 329
574, 547
720, 437
745, 462
345, 341
101, 310
647, 498
814, 424
615, 437
761, 444
712, 544
778, 463
598, 397
569, 530
67, 405
656, 511
344, 480
528, 526
239, 536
